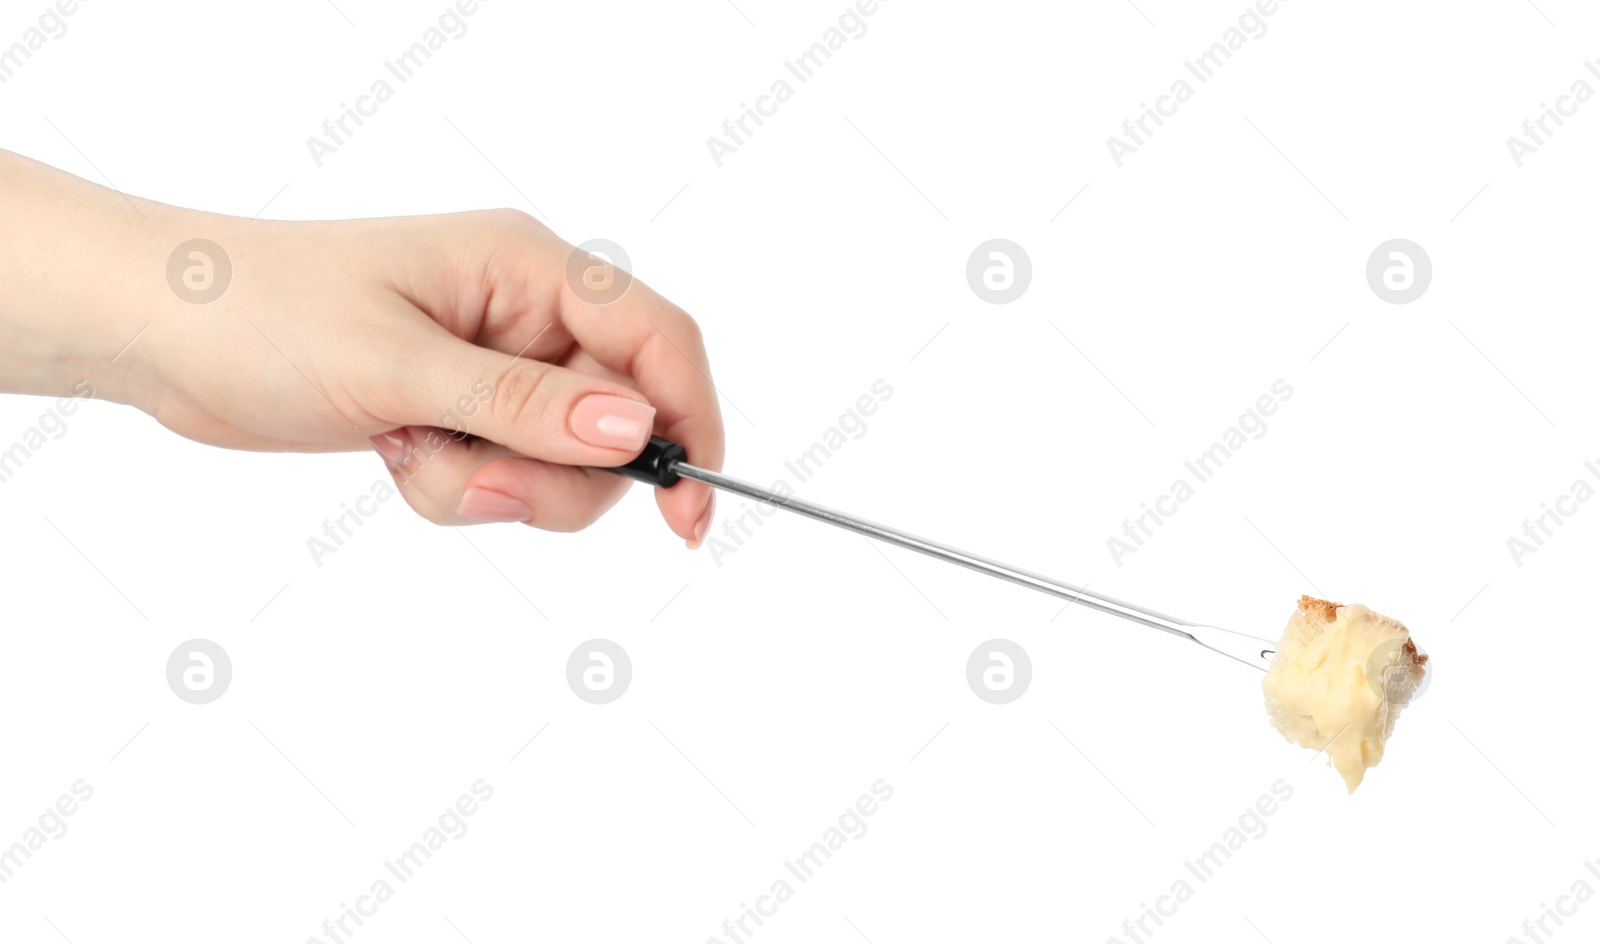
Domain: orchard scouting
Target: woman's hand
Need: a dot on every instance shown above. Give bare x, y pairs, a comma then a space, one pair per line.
489, 366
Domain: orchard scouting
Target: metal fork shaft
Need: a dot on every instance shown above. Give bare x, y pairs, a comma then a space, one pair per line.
1244, 649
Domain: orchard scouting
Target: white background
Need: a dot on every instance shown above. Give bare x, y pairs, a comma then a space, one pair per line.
772, 688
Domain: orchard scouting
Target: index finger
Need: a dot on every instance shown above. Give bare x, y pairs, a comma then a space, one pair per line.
660, 348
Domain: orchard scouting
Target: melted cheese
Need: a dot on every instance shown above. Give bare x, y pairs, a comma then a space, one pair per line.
1338, 682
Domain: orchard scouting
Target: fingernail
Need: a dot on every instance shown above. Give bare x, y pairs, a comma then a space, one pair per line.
601, 419
482, 504
703, 524
394, 446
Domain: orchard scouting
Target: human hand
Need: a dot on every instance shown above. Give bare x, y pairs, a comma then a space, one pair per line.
457, 346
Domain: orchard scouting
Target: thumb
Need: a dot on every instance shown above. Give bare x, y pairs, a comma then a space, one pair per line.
539, 410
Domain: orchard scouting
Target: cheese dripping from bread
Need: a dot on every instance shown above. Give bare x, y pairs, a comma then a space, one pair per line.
1339, 678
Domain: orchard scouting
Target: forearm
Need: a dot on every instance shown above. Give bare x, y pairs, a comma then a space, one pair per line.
81, 269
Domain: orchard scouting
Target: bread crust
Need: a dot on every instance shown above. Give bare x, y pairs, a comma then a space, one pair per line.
1327, 612
1321, 609
1412, 656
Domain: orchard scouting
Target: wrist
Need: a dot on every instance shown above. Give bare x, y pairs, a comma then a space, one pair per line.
76, 261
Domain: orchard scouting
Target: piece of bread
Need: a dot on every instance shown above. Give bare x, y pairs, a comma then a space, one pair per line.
1339, 678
